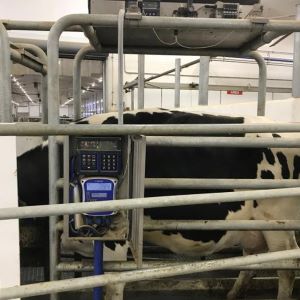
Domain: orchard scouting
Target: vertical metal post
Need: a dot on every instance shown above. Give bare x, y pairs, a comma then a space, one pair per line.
98, 268
141, 82
296, 64
262, 83
203, 80
77, 80
5, 82
132, 98
139, 160
104, 85
44, 98
66, 187
120, 64
53, 119
177, 81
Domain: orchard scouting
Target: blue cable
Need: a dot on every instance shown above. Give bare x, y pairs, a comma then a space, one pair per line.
98, 268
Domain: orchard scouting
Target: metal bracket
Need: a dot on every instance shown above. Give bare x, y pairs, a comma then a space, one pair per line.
259, 20
133, 15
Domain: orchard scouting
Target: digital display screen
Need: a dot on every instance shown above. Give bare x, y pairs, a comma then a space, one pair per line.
98, 186
102, 145
150, 5
99, 195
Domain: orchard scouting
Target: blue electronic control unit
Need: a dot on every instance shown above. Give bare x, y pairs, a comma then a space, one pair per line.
98, 189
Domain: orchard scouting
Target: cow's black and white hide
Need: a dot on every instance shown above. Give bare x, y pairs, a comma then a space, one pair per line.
196, 162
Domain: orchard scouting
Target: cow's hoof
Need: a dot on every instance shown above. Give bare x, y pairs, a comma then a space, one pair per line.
231, 296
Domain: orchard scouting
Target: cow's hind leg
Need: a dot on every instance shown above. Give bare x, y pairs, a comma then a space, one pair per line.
278, 241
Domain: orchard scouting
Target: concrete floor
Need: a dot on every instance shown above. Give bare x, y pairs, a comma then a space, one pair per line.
176, 295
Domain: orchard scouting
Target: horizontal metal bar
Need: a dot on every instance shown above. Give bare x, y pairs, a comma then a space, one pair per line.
131, 276
133, 83
217, 183
215, 87
173, 51
222, 225
165, 201
33, 25
30, 129
245, 142
86, 266
66, 49
162, 22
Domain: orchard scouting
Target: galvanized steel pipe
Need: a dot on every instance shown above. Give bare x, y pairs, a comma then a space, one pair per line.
77, 266
203, 80
161, 22
90, 33
38, 52
262, 82
30, 129
222, 225
132, 99
174, 51
77, 80
263, 39
73, 208
131, 276
5, 82
177, 82
34, 25
296, 60
132, 84
120, 64
217, 183
141, 82
203, 141
105, 105
25, 61
193, 23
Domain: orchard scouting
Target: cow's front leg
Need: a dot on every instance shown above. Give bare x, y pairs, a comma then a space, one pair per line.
253, 242
243, 281
278, 241
114, 291
241, 284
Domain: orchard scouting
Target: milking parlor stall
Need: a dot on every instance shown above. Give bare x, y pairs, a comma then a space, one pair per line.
150, 149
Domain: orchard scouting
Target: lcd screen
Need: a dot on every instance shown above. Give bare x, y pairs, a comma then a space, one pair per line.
98, 186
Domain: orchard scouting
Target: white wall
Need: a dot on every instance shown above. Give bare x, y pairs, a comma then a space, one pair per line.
287, 110
37, 10
233, 73
9, 229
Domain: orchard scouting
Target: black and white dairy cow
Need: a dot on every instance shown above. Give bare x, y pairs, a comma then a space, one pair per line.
194, 162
